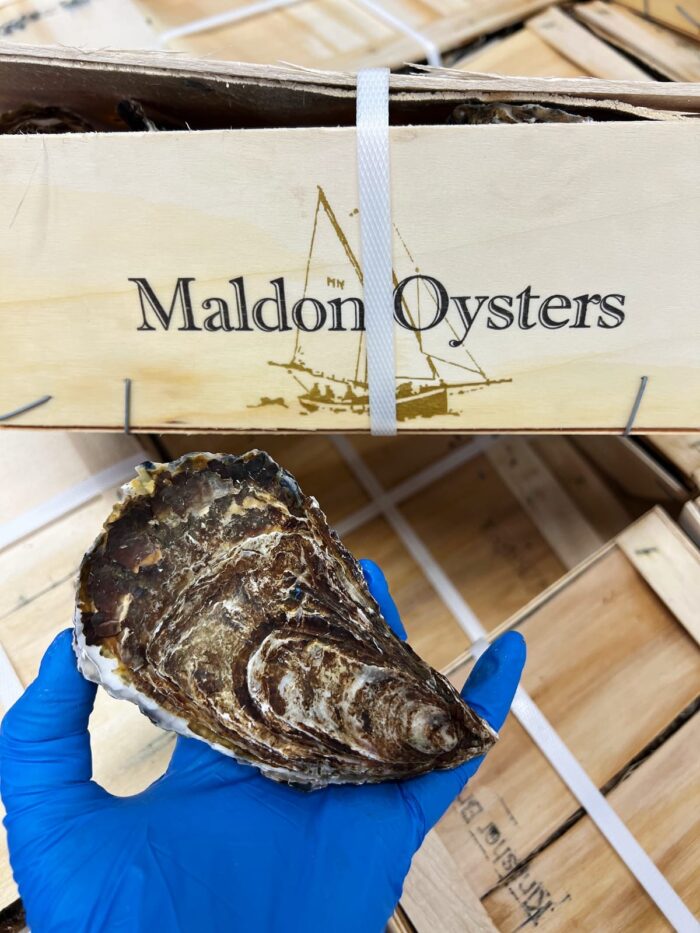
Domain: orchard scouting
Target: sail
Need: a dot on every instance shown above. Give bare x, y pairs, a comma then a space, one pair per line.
332, 272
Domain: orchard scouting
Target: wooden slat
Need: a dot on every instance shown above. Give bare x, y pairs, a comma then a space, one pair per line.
682, 451
596, 640
584, 484
340, 34
669, 563
665, 51
690, 520
583, 48
522, 53
632, 469
685, 16
437, 897
578, 882
115, 24
568, 533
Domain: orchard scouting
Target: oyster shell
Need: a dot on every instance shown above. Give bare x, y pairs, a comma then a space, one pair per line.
218, 599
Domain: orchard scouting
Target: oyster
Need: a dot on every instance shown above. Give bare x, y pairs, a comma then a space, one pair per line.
481, 112
218, 599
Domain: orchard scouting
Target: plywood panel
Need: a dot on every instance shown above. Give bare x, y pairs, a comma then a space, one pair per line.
490, 548
581, 46
595, 199
596, 640
578, 882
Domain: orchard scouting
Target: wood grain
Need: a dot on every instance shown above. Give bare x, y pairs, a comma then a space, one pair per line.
113, 195
579, 45
568, 533
436, 897
594, 646
669, 563
662, 49
632, 469
522, 53
49, 464
682, 454
690, 520
552, 44
685, 17
578, 882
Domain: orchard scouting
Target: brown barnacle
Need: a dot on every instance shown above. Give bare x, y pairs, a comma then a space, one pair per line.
258, 631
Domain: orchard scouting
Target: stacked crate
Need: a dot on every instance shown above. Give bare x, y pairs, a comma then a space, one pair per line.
487, 524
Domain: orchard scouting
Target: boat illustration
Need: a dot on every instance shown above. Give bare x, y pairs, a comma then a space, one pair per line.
426, 379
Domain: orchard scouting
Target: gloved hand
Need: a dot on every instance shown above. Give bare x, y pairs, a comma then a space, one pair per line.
212, 845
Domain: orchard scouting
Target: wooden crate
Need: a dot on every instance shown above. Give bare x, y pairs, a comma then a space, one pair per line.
338, 34
613, 663
112, 195
508, 517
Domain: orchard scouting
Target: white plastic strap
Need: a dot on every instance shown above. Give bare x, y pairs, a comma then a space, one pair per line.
222, 19
531, 718
605, 818
432, 53
68, 500
376, 241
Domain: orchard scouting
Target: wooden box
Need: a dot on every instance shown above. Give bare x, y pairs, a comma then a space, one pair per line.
614, 665
501, 519
219, 269
339, 34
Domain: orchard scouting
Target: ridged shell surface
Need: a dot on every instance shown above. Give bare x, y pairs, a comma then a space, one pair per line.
219, 600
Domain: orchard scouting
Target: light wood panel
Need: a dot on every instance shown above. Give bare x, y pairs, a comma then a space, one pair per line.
578, 882
596, 641
579, 45
606, 199
507, 524
340, 34
37, 465
665, 51
435, 896
685, 17
522, 53
116, 24
552, 44
682, 453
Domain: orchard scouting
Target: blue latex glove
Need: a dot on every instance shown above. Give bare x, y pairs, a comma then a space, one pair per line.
212, 845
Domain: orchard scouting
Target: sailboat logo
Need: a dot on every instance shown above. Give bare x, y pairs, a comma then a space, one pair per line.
424, 387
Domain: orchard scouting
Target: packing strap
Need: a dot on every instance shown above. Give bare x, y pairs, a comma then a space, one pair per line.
373, 176
68, 500
529, 715
250, 10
